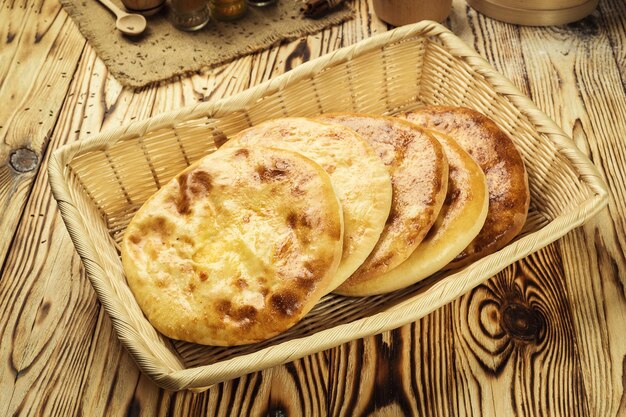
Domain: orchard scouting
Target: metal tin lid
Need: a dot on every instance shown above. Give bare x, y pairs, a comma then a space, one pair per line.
549, 14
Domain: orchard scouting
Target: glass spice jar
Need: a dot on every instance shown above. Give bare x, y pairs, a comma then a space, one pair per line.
228, 9
189, 15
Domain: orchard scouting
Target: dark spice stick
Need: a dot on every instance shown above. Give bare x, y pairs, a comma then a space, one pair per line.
317, 8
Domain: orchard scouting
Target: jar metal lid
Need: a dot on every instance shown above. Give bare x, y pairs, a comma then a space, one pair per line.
501, 10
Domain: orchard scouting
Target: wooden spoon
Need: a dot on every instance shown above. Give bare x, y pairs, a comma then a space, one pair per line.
127, 23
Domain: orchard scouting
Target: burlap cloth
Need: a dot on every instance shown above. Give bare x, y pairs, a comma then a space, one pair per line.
163, 52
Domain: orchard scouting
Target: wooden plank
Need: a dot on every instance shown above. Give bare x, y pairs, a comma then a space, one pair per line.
589, 104
612, 14
516, 335
403, 372
42, 294
498, 42
506, 348
39, 52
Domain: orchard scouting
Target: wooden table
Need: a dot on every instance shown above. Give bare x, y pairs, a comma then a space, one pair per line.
562, 353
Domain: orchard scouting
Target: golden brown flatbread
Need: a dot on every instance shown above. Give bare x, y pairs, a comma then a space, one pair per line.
502, 164
360, 178
419, 176
235, 249
460, 220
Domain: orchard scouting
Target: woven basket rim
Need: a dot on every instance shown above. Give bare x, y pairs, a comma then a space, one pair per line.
457, 48
403, 313
399, 315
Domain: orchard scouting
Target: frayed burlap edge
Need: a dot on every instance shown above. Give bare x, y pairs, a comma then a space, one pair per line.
342, 15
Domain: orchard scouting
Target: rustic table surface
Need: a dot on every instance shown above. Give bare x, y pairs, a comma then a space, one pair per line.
560, 351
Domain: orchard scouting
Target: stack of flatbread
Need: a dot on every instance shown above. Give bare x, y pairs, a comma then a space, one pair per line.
243, 243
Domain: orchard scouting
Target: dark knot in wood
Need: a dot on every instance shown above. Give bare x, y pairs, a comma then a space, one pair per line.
587, 27
522, 322
23, 160
279, 412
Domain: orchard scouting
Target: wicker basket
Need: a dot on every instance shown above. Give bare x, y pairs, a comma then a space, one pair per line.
100, 182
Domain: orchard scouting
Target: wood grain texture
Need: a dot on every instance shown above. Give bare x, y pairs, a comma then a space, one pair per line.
611, 18
589, 83
39, 50
502, 349
544, 337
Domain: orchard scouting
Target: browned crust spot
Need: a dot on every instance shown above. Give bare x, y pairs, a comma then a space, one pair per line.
453, 195
197, 183
334, 231
295, 221
306, 284
270, 174
314, 267
182, 199
305, 221
219, 138
242, 152
223, 307
201, 182
285, 303
292, 220
157, 225
243, 313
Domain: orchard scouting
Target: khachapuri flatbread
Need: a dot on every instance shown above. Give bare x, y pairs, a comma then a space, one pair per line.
503, 165
460, 220
235, 249
361, 180
419, 175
